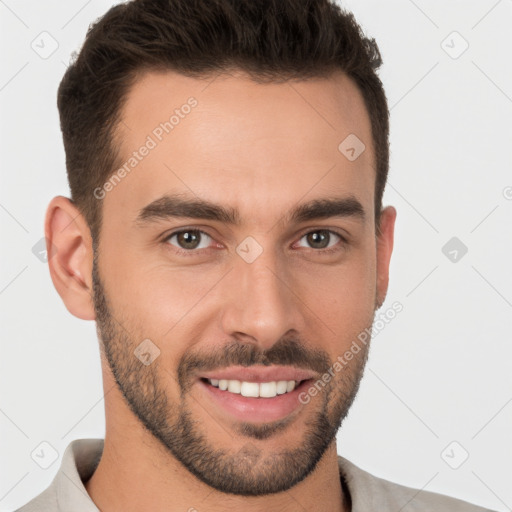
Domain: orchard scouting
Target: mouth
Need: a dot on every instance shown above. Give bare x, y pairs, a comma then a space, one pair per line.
255, 394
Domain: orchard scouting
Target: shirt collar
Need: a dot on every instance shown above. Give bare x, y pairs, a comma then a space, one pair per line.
79, 462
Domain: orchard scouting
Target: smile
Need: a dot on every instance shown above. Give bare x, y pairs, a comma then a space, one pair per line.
256, 393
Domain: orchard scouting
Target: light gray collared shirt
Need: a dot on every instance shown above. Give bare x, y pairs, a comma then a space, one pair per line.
367, 493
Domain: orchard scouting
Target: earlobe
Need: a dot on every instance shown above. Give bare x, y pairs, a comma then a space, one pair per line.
385, 239
70, 255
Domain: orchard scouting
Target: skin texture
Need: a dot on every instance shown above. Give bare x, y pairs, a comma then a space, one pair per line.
262, 149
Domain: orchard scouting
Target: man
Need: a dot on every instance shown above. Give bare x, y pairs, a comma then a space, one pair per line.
227, 161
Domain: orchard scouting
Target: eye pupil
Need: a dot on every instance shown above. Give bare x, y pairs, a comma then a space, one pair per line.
314, 238
188, 239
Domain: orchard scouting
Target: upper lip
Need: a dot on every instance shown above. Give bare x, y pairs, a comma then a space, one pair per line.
259, 373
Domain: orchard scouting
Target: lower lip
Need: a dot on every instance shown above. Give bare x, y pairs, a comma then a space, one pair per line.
255, 409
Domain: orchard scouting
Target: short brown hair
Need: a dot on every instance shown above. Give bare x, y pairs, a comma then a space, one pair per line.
271, 40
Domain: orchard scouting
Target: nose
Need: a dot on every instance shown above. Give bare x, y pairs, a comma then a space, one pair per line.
261, 304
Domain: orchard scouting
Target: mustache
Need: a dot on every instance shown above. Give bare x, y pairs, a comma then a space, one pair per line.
286, 352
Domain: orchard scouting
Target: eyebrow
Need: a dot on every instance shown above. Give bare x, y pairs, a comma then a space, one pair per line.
177, 206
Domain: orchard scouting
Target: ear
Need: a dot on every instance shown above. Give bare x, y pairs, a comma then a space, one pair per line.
385, 236
70, 255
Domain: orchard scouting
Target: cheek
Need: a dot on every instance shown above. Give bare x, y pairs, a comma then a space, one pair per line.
344, 295
344, 305
168, 305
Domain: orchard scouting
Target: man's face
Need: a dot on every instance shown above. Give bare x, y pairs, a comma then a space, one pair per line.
261, 302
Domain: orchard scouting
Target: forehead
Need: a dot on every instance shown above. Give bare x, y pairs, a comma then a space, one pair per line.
231, 140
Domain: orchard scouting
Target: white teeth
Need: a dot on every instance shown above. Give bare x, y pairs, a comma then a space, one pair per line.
234, 386
268, 389
281, 387
250, 389
255, 389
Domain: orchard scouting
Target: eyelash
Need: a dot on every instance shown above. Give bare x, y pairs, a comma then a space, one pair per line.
194, 252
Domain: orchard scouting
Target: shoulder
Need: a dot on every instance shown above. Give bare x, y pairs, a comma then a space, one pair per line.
369, 492
67, 491
46, 501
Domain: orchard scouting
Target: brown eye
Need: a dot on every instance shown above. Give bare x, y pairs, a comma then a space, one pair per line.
189, 239
321, 238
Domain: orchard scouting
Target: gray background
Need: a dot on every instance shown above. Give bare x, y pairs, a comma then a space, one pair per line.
439, 373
